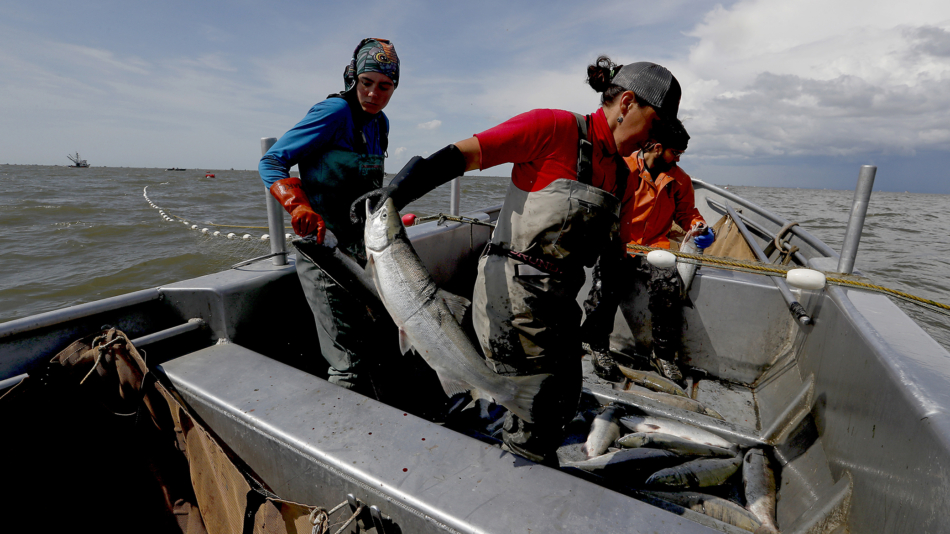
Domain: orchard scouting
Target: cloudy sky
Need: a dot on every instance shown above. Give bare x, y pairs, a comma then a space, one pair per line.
776, 93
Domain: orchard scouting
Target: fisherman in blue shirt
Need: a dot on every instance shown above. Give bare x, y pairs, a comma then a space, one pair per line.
339, 148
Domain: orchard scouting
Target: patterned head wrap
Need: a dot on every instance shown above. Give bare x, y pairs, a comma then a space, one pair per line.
372, 55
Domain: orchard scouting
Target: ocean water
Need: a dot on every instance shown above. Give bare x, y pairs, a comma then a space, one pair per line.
69, 236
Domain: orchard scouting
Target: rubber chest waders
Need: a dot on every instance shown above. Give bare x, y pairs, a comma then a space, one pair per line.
525, 311
333, 180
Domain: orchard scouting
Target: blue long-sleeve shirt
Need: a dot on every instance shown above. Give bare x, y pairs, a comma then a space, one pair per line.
328, 125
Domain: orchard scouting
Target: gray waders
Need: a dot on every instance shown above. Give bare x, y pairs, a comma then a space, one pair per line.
614, 282
525, 310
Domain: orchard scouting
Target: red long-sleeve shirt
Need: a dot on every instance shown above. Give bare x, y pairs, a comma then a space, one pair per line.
543, 146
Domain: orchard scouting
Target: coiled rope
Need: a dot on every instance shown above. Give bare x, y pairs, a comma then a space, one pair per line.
320, 518
834, 278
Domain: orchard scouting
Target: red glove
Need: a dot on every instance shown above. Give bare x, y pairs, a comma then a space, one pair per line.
305, 221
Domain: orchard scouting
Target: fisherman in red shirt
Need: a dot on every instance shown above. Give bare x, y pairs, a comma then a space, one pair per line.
664, 194
559, 215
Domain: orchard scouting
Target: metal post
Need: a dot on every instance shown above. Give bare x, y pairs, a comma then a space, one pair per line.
859, 208
275, 215
456, 196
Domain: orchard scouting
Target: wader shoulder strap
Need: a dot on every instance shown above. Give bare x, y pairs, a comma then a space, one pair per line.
383, 136
585, 150
362, 146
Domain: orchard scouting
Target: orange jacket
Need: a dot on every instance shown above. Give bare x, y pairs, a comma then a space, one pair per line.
648, 211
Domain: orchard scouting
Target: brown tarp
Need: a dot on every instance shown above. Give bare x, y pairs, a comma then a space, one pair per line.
93, 441
729, 242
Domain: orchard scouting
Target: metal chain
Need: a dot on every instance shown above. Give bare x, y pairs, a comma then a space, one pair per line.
442, 217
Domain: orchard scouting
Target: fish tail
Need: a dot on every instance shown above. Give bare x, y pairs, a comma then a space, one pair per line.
526, 390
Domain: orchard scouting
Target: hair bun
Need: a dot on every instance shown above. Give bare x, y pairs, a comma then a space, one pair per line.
600, 73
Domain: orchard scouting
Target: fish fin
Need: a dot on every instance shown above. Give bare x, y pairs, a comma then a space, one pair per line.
405, 344
457, 305
522, 402
453, 386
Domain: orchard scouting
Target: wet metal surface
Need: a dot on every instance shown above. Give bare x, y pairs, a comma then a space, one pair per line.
314, 442
733, 401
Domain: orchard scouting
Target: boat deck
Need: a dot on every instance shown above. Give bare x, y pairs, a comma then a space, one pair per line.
853, 408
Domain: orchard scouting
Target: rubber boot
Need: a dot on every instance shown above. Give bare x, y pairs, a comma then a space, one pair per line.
604, 364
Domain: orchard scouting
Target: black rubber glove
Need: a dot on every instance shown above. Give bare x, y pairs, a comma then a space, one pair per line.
413, 181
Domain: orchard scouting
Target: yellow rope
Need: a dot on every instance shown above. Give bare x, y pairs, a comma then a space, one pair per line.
840, 279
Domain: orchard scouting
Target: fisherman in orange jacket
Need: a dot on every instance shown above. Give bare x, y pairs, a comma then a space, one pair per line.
664, 195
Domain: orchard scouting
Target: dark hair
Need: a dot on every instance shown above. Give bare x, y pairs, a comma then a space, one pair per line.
599, 75
670, 133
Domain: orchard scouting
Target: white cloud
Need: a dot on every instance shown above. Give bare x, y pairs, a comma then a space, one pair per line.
769, 77
397, 152
431, 125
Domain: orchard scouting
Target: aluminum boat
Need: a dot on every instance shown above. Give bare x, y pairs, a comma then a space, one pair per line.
869, 451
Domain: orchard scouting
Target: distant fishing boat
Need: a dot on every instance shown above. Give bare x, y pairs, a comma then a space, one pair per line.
77, 161
176, 169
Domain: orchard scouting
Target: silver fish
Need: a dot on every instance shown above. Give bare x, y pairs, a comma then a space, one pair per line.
686, 268
428, 317
623, 461
672, 443
758, 480
652, 381
676, 401
645, 423
716, 507
340, 267
701, 473
603, 431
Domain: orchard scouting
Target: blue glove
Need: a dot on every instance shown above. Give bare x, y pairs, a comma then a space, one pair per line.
704, 240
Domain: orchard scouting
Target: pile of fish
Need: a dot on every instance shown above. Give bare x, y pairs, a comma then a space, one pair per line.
660, 458
678, 463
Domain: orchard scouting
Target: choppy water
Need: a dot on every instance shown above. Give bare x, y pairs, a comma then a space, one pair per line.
69, 236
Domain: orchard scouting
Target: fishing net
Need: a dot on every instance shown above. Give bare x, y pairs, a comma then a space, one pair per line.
222, 244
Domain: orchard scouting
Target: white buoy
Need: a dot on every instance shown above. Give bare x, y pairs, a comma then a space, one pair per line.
185, 222
805, 279
216, 234
287, 236
265, 237
194, 227
661, 259
231, 235
247, 236
205, 231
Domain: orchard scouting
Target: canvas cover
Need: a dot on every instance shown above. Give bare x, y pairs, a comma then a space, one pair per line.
97, 443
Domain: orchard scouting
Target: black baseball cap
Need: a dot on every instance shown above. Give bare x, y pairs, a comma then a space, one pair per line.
654, 84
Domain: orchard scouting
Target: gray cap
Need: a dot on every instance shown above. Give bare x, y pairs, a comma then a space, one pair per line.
654, 84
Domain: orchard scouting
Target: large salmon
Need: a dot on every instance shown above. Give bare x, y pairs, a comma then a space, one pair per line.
428, 317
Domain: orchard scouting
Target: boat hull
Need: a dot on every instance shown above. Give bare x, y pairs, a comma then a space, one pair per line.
873, 450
